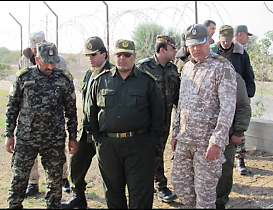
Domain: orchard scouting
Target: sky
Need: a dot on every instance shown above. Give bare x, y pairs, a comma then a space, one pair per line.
78, 20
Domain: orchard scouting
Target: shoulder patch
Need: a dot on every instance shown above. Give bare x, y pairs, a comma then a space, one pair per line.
143, 61
101, 73
68, 75
21, 72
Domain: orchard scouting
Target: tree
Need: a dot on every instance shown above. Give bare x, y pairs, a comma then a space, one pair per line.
261, 58
144, 37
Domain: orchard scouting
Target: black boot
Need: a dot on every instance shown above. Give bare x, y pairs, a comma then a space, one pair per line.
78, 201
165, 195
66, 186
32, 190
241, 166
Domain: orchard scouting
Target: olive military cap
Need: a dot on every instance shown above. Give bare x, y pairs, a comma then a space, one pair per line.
123, 45
35, 38
241, 28
196, 34
47, 51
166, 39
92, 45
226, 33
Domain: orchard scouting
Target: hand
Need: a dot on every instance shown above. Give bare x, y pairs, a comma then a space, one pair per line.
236, 140
173, 144
72, 147
213, 152
9, 143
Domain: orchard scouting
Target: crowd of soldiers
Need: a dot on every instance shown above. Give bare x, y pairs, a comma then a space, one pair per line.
198, 94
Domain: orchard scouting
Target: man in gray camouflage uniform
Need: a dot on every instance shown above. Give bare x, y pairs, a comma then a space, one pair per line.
161, 66
27, 60
41, 100
205, 113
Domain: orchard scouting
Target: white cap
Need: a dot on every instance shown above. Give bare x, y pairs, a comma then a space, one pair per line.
35, 38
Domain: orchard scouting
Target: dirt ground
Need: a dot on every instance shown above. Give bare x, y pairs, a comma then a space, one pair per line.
252, 191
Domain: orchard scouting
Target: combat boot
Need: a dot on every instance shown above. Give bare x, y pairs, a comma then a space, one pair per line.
77, 202
32, 190
165, 195
241, 166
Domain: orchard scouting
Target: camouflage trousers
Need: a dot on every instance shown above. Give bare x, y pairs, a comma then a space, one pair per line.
159, 177
241, 150
35, 176
52, 159
195, 178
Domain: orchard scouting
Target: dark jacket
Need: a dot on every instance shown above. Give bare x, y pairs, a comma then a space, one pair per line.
241, 62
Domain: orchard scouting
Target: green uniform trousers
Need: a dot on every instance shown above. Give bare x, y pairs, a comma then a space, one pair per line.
127, 161
80, 163
226, 181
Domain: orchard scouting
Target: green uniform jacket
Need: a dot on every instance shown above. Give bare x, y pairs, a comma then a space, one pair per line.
168, 79
119, 105
39, 104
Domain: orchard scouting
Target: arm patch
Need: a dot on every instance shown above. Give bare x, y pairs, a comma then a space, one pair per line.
68, 75
21, 72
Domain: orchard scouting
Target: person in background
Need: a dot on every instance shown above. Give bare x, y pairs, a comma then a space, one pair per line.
80, 162
231, 49
27, 60
41, 107
161, 66
126, 121
211, 26
182, 56
204, 116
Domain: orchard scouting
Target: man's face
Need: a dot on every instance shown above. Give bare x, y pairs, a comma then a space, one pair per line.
243, 38
200, 51
226, 44
211, 28
46, 68
96, 59
170, 53
34, 50
125, 61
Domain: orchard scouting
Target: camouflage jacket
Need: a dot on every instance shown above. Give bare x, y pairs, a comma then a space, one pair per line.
207, 102
167, 78
40, 105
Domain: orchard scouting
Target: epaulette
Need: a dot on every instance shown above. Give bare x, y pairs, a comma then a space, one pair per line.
148, 73
144, 60
21, 72
101, 73
220, 57
68, 75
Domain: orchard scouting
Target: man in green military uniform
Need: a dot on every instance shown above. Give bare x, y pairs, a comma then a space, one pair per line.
40, 100
160, 65
80, 162
126, 120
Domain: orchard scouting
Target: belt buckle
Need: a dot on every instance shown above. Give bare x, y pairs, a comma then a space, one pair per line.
122, 135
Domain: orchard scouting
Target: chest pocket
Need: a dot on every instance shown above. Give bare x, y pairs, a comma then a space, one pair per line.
106, 98
137, 98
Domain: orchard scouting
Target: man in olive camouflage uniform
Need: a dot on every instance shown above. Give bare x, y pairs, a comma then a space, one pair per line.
27, 60
80, 162
205, 113
42, 99
160, 65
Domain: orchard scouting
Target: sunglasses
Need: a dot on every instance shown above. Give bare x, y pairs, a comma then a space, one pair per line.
127, 55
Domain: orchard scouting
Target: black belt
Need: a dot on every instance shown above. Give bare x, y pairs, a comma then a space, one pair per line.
126, 134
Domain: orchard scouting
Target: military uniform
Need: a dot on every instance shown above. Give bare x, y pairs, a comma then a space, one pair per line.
125, 122
204, 115
40, 104
168, 79
81, 161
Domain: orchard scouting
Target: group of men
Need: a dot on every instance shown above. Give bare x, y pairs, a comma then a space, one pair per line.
127, 118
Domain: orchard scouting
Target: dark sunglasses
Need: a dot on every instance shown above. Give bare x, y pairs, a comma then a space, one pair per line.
127, 55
